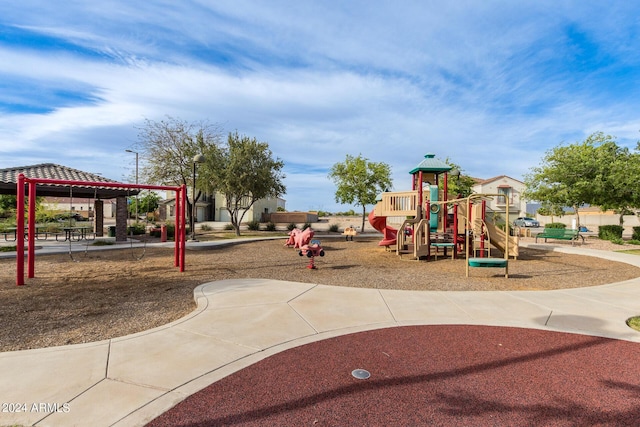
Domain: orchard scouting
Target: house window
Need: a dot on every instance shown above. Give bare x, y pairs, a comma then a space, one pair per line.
507, 191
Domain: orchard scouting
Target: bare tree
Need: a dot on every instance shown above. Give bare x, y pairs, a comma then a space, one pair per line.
168, 148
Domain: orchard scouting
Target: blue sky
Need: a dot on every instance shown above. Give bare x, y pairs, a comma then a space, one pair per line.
489, 84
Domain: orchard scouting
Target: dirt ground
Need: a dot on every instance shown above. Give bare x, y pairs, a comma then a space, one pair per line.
109, 293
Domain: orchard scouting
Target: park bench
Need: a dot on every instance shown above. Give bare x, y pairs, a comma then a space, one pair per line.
560, 234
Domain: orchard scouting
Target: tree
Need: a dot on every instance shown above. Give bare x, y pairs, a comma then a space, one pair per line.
7, 205
596, 172
359, 180
247, 172
620, 185
459, 186
147, 201
548, 209
168, 148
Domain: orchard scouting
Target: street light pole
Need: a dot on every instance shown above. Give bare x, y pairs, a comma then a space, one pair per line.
199, 158
136, 153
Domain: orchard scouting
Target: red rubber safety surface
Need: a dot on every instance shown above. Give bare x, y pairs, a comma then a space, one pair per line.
440, 375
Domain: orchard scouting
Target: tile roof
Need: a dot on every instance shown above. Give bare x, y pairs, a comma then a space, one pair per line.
9, 178
49, 171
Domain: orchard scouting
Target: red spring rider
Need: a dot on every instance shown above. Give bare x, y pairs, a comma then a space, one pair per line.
312, 250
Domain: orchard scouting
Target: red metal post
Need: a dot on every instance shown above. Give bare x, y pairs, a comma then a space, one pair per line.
484, 215
183, 232
176, 232
420, 188
445, 197
31, 248
20, 231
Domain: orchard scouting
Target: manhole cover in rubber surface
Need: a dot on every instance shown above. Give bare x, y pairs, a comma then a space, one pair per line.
360, 374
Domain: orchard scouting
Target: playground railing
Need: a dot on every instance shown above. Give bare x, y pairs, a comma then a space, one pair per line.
400, 203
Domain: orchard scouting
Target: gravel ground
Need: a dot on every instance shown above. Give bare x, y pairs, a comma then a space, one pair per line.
109, 294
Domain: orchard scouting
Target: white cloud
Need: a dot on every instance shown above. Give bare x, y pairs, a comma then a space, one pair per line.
487, 84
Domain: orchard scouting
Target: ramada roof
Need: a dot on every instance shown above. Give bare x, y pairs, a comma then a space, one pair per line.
9, 180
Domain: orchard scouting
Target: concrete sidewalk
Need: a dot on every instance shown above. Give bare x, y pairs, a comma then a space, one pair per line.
130, 380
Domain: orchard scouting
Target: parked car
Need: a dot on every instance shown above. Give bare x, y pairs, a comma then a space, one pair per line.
524, 221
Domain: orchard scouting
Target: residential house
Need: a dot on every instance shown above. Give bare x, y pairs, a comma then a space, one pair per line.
513, 190
78, 205
214, 208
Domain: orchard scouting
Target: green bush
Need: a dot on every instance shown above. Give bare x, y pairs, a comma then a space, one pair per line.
45, 216
306, 225
6, 225
633, 242
228, 227
636, 233
51, 227
137, 229
156, 232
610, 232
206, 227
253, 225
270, 226
617, 241
555, 225
291, 226
102, 243
334, 228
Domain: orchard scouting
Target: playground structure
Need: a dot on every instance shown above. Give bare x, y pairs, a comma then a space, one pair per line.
309, 247
429, 221
31, 185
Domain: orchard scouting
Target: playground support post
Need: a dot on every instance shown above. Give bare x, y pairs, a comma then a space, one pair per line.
483, 215
183, 232
467, 242
445, 197
31, 249
20, 231
176, 231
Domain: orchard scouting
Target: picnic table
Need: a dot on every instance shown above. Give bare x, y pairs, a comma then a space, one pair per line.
74, 233
13, 231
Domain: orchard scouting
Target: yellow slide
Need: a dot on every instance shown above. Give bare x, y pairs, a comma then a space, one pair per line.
498, 238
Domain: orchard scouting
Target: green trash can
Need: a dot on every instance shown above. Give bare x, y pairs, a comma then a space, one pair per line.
111, 231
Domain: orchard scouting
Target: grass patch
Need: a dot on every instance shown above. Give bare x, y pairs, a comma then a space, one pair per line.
8, 248
102, 243
634, 323
630, 251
